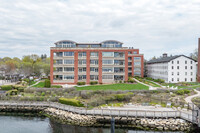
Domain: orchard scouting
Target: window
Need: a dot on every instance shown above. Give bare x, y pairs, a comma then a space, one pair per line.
107, 61
191, 73
129, 52
93, 69
59, 61
177, 62
191, 80
94, 62
108, 54
68, 61
191, 62
81, 77
81, 54
68, 76
177, 73
172, 73
82, 69
82, 62
107, 69
94, 77
107, 77
172, 62
178, 79
134, 52
185, 62
69, 69
94, 54
177, 67
186, 73
68, 53
137, 63
119, 54
191, 67
172, 79
185, 67
172, 67
137, 58
58, 69
185, 79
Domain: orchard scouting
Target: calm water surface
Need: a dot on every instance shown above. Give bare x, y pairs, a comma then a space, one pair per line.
18, 124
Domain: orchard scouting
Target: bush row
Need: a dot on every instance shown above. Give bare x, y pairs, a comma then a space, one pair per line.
93, 82
182, 92
81, 83
72, 102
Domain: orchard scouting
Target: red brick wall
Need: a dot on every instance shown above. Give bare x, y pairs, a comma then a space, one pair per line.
126, 65
88, 67
100, 67
75, 67
51, 66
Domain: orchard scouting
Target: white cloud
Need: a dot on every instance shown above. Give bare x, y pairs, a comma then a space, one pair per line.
155, 27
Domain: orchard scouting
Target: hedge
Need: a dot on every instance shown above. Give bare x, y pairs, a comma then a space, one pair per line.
81, 83
6, 87
93, 82
72, 102
12, 92
47, 83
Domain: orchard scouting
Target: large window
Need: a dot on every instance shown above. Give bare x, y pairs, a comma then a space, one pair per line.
82, 69
68, 53
107, 69
107, 77
68, 61
137, 63
119, 54
68, 77
81, 77
108, 54
81, 54
94, 69
58, 69
82, 62
94, 54
59, 61
94, 77
137, 58
69, 69
107, 62
94, 62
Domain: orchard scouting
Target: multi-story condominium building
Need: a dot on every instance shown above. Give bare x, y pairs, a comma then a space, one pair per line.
105, 62
173, 69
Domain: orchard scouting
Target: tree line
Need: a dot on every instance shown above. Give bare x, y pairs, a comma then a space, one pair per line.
29, 65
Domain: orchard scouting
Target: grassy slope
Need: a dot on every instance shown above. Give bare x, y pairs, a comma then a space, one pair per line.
115, 87
39, 85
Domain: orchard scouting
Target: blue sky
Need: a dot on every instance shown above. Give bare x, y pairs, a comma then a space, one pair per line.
153, 26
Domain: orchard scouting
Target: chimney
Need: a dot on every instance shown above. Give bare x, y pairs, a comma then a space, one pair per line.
164, 55
198, 67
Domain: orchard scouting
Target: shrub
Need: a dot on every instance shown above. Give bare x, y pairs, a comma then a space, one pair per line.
93, 82
182, 92
12, 92
80, 83
21, 89
6, 87
47, 83
72, 102
43, 94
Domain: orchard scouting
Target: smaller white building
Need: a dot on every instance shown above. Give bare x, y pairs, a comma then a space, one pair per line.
173, 69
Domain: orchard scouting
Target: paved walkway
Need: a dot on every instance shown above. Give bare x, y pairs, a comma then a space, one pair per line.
150, 87
189, 99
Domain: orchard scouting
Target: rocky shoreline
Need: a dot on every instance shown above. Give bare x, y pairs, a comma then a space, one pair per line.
65, 117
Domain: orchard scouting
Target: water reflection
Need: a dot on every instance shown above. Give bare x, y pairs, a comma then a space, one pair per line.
20, 124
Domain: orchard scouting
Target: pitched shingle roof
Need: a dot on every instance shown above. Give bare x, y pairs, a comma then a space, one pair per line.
166, 59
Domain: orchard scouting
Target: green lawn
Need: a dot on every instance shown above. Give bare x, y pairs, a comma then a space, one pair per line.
39, 85
115, 87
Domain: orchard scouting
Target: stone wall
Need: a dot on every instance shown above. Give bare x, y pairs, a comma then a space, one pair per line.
64, 117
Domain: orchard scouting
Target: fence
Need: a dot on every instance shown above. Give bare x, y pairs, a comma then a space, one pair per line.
189, 116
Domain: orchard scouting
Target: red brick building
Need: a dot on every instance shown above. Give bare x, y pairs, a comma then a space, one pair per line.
105, 62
